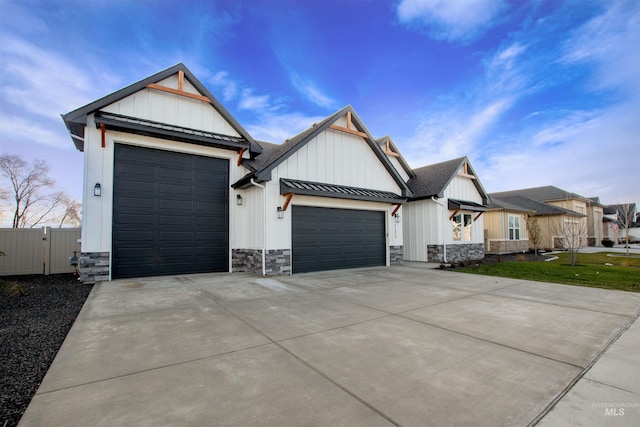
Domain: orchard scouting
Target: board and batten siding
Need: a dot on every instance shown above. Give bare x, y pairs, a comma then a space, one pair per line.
423, 225
396, 164
163, 107
336, 157
332, 157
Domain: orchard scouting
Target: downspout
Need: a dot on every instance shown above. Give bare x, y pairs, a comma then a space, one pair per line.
264, 225
444, 244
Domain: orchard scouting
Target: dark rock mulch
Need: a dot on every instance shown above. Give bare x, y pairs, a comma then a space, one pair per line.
36, 313
494, 259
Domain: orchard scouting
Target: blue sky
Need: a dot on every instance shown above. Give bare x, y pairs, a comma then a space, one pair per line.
533, 92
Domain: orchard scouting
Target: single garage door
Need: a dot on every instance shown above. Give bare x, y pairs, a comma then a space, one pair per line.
170, 213
328, 239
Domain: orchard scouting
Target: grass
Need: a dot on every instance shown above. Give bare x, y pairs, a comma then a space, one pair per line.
590, 270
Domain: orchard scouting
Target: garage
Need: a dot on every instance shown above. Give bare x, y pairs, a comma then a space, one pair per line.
170, 213
330, 238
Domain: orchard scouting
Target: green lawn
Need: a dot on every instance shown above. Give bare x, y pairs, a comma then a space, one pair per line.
590, 270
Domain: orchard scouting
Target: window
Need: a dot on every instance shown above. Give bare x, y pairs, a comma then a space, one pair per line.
514, 227
462, 227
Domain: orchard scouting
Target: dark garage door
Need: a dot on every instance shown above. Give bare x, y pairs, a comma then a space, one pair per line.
327, 239
170, 213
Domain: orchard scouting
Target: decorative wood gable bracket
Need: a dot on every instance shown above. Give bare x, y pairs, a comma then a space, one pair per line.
388, 150
477, 216
180, 91
240, 153
349, 128
466, 172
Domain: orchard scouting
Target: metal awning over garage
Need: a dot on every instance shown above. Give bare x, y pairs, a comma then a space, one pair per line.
291, 186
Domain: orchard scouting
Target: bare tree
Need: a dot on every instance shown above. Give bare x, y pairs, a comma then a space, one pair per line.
572, 231
625, 214
71, 211
534, 231
29, 191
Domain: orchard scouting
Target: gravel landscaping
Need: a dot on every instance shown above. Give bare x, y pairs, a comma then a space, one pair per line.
36, 313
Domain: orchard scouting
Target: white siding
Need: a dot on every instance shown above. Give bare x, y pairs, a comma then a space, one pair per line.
423, 225
462, 188
396, 164
172, 109
336, 157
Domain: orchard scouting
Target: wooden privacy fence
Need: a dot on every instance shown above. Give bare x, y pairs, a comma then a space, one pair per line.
37, 250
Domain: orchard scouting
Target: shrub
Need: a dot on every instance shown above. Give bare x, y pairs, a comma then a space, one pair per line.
607, 243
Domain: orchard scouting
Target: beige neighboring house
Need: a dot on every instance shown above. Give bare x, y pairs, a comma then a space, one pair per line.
555, 209
597, 228
505, 228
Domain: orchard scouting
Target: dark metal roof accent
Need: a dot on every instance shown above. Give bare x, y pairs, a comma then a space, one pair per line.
76, 120
466, 205
139, 126
320, 189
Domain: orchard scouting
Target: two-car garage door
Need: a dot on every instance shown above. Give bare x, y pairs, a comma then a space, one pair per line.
328, 238
170, 213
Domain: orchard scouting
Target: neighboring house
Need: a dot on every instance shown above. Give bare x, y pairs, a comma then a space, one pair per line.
173, 184
561, 215
595, 222
623, 221
443, 220
506, 227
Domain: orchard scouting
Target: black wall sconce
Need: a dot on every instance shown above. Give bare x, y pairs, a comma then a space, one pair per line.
238, 200
97, 190
280, 212
397, 218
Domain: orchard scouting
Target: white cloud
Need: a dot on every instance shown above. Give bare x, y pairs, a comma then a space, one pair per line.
17, 131
312, 92
228, 86
43, 83
249, 101
277, 128
449, 19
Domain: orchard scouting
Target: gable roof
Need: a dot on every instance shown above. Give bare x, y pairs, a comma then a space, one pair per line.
76, 120
273, 155
431, 181
382, 142
541, 194
529, 205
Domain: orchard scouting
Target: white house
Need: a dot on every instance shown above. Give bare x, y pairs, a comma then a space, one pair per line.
443, 219
173, 184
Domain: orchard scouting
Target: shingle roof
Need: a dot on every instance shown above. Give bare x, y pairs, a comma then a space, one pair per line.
432, 180
530, 205
541, 194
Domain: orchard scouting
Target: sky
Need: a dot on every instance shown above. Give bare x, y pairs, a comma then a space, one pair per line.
533, 92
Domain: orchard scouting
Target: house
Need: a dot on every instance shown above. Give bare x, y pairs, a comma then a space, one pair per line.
561, 215
505, 225
623, 222
596, 225
173, 184
443, 219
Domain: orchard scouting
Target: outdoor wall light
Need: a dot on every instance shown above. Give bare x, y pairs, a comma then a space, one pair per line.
280, 212
397, 218
97, 190
238, 200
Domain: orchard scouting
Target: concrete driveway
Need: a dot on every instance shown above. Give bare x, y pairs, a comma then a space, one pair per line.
403, 345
